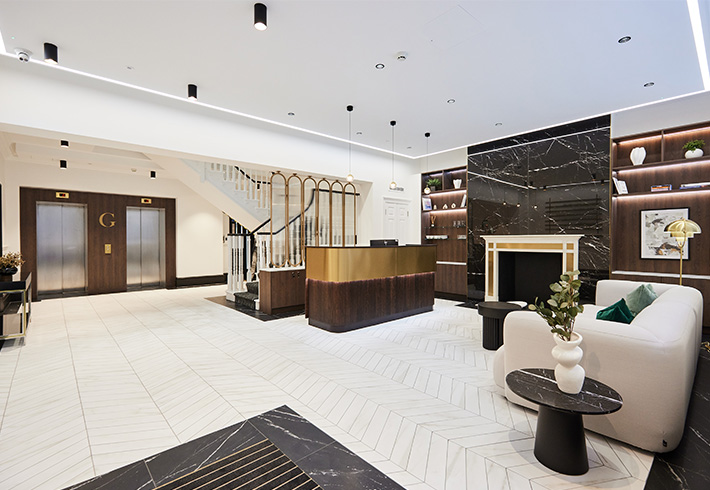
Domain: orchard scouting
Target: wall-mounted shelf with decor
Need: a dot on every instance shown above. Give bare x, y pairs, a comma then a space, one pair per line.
664, 164
451, 251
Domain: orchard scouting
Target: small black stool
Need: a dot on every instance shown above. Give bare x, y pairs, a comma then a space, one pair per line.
494, 313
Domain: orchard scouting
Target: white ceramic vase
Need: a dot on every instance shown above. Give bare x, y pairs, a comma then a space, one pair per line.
568, 373
694, 153
637, 155
457, 183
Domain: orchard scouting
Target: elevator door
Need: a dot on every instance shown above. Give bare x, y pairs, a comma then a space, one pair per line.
145, 248
61, 248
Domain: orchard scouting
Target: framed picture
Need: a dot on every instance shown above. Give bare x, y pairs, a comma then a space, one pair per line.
620, 186
654, 243
426, 203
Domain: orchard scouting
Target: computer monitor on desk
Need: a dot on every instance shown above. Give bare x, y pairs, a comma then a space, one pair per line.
388, 242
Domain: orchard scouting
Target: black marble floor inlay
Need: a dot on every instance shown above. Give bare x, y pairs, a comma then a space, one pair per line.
688, 465
259, 315
278, 449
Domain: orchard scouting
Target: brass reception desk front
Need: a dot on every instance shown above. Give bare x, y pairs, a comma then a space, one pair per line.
353, 287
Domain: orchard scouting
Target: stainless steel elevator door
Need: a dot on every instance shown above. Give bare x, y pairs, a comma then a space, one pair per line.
61, 248
145, 247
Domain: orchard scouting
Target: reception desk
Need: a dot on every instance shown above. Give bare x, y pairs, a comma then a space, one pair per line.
353, 287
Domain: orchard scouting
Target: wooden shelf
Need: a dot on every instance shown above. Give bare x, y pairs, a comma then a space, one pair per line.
669, 163
659, 193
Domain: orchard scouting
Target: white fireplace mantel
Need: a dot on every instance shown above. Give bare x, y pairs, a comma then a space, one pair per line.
565, 245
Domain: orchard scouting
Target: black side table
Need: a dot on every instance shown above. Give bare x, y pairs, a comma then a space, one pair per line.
494, 313
559, 441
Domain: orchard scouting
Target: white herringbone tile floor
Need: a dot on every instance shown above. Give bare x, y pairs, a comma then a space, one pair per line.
103, 381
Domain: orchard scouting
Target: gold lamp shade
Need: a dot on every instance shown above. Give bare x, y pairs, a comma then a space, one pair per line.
681, 230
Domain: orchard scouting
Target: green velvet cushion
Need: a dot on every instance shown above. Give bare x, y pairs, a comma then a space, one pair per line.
618, 312
640, 298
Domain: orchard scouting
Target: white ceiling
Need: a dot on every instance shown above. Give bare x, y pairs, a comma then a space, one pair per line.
525, 64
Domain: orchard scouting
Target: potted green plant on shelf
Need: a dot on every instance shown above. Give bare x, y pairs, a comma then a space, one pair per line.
560, 313
694, 148
433, 183
9, 263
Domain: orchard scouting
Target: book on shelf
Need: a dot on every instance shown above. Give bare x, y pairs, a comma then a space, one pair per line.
620, 186
661, 187
695, 185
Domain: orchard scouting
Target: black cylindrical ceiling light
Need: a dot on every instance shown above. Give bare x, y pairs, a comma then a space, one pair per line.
50, 53
192, 91
64, 144
152, 174
260, 16
63, 164
393, 184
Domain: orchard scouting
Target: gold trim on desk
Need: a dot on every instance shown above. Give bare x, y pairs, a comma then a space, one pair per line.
344, 264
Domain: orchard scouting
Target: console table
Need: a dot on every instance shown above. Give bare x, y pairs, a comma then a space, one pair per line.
15, 307
559, 441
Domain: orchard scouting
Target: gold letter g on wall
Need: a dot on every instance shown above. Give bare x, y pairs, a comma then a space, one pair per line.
110, 224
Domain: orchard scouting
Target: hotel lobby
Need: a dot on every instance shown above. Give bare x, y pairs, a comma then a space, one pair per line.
256, 237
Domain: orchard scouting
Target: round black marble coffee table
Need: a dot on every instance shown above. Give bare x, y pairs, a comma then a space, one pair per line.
559, 441
493, 314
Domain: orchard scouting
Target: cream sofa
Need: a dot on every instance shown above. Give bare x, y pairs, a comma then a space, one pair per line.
650, 362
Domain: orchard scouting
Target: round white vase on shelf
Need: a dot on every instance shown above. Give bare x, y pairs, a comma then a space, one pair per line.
637, 155
694, 153
568, 373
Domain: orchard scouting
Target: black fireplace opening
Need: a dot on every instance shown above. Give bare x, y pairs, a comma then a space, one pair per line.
524, 276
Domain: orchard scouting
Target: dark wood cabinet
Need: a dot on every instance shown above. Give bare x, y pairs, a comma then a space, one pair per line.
444, 224
664, 165
281, 290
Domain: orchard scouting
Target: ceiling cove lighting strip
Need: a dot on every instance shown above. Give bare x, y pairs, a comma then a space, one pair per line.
697, 25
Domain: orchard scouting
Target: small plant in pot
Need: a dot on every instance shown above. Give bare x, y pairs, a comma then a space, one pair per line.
560, 313
433, 183
694, 148
9, 263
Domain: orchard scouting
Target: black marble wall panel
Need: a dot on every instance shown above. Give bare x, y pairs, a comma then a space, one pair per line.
556, 184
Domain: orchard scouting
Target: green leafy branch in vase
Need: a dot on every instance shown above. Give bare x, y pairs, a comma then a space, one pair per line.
563, 306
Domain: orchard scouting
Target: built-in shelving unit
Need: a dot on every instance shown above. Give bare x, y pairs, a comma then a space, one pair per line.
664, 164
445, 225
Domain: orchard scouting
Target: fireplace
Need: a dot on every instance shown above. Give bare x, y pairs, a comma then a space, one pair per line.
521, 267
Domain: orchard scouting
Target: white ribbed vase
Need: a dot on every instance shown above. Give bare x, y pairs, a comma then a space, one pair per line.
637, 155
568, 373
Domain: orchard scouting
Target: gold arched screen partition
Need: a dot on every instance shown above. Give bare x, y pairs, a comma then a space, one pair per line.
306, 212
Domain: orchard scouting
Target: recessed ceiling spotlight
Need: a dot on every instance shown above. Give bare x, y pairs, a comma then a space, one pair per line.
50, 53
380, 66
624, 39
359, 133
192, 91
649, 84
409, 148
451, 101
291, 113
260, 16
64, 144
402, 56
499, 124
63, 164
152, 174
129, 67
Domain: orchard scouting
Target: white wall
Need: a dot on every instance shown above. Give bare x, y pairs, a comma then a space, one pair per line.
441, 161
678, 112
198, 223
34, 95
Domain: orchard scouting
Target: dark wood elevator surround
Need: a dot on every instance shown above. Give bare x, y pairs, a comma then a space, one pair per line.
106, 273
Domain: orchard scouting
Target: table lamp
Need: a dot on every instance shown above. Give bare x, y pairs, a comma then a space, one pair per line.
681, 230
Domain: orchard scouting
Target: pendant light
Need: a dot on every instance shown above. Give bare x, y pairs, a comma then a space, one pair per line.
393, 184
350, 177
426, 135
260, 16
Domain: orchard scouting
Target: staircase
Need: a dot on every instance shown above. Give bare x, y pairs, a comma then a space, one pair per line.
247, 298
